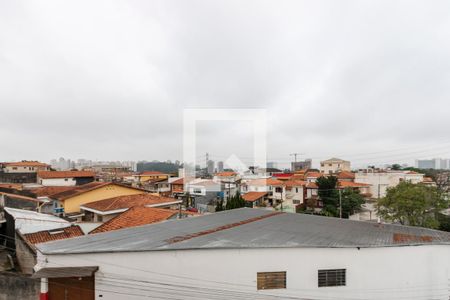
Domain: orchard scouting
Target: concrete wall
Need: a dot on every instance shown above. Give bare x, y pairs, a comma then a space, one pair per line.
419, 272
16, 286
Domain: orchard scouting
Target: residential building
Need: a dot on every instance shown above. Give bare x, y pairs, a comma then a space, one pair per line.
381, 180
150, 175
334, 165
68, 202
220, 166
65, 178
138, 216
106, 209
251, 254
23, 167
255, 199
301, 165
210, 167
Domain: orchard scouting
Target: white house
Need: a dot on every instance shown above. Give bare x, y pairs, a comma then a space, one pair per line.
65, 178
250, 254
380, 181
334, 165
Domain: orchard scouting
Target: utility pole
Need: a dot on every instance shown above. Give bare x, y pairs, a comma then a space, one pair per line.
340, 204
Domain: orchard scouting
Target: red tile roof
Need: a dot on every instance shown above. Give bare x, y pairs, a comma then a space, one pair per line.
77, 190
226, 174
14, 186
50, 190
292, 183
346, 175
253, 196
263, 182
64, 174
283, 175
345, 184
53, 235
313, 175
136, 216
26, 164
125, 202
178, 181
16, 196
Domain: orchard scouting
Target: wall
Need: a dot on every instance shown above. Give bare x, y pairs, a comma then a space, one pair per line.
419, 272
26, 258
380, 182
17, 286
109, 191
57, 181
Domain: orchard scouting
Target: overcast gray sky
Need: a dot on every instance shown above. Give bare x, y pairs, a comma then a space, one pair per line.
365, 80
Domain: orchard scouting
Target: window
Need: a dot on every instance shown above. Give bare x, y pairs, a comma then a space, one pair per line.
66, 179
271, 280
278, 190
197, 191
296, 190
332, 277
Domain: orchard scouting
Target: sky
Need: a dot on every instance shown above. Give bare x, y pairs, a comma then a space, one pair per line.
367, 81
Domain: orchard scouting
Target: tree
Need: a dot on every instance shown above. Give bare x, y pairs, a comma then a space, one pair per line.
236, 201
329, 195
396, 167
412, 204
351, 202
219, 205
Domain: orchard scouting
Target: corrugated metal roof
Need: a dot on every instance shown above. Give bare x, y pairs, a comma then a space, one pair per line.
249, 228
29, 221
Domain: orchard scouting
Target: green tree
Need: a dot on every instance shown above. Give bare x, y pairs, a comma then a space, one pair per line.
235, 201
329, 195
412, 204
351, 202
396, 167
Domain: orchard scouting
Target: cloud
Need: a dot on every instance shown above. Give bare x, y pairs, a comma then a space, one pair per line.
110, 79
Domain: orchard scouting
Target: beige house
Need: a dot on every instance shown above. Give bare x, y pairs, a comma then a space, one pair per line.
334, 165
23, 167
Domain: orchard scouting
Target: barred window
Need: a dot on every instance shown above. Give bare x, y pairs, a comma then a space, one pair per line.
332, 277
271, 280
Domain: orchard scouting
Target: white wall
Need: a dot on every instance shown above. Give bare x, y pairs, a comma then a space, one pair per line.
380, 182
420, 272
57, 182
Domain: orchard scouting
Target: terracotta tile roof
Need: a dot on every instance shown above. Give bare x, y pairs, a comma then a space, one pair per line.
50, 190
136, 216
283, 175
292, 183
344, 184
64, 174
346, 175
312, 185
26, 164
77, 190
263, 182
428, 179
54, 234
226, 174
15, 196
253, 196
178, 181
125, 202
313, 175
14, 186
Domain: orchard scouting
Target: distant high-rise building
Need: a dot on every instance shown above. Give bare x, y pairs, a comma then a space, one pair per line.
272, 164
435, 163
220, 166
300, 165
210, 167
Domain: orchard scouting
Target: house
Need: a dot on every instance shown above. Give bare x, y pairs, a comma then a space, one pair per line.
150, 175
22, 223
138, 216
176, 186
275, 189
334, 165
255, 199
381, 180
159, 186
65, 178
106, 209
295, 195
23, 167
250, 254
68, 202
21, 202
21, 172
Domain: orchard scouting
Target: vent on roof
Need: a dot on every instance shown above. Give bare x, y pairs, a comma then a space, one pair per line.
332, 277
56, 232
271, 280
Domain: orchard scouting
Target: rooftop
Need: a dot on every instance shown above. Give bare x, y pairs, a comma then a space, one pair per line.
50, 190
253, 196
249, 228
78, 190
26, 164
54, 234
128, 201
136, 216
27, 221
65, 174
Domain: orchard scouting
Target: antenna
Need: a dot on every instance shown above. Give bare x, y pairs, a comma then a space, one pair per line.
295, 155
